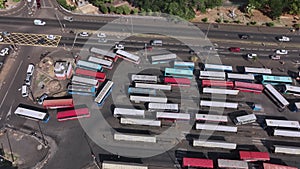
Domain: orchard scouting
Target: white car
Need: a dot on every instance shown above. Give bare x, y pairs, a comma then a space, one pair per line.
281, 52
50, 37
30, 69
39, 22
68, 18
119, 46
275, 57
283, 39
102, 40
1, 39
28, 79
24, 91
101, 35
84, 34
251, 55
4, 52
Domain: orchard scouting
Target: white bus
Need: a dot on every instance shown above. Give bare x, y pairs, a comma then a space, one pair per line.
205, 103
127, 137
143, 122
294, 90
88, 65
103, 62
109, 55
165, 58
85, 81
32, 114
215, 127
172, 116
254, 70
286, 133
282, 123
153, 86
104, 93
220, 91
216, 67
212, 75
139, 99
287, 149
114, 165
212, 117
128, 56
144, 78
236, 164
276, 96
163, 107
245, 119
123, 112
240, 77
214, 144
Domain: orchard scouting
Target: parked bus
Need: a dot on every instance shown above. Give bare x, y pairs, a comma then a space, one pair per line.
184, 65
212, 75
143, 122
212, 117
123, 112
180, 82
100, 76
89, 65
282, 123
128, 56
172, 116
276, 96
217, 83
197, 163
108, 55
287, 149
214, 144
216, 127
114, 165
103, 62
286, 133
153, 86
130, 137
255, 71
248, 87
276, 166
78, 80
138, 99
32, 114
294, 90
240, 77
163, 107
58, 103
164, 58
251, 156
205, 103
275, 80
63, 115
180, 73
236, 164
220, 91
144, 78
245, 119
82, 90
141, 91
216, 67
104, 93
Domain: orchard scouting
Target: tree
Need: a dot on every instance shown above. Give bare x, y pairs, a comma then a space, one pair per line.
112, 9
276, 8
134, 11
104, 9
126, 10
119, 10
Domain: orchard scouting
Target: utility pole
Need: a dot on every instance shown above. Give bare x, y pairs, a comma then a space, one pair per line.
74, 40
61, 26
11, 153
44, 141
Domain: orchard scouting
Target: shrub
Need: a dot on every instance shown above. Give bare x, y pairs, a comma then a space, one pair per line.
204, 20
270, 24
226, 21
218, 20
253, 22
103, 9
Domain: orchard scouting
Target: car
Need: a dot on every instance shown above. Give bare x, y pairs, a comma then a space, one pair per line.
4, 51
41, 41
39, 22
119, 46
84, 34
101, 35
5, 33
28, 79
1, 64
244, 36
50, 37
24, 90
209, 48
275, 57
41, 99
68, 18
102, 40
251, 55
1, 38
283, 39
234, 49
30, 69
281, 52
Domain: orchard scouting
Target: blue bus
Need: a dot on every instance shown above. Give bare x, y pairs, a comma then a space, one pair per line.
184, 73
89, 65
275, 80
82, 90
184, 65
133, 90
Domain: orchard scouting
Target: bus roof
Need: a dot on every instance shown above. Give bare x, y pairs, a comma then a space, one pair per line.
247, 117
128, 112
217, 67
254, 156
292, 88
91, 73
131, 137
286, 133
220, 91
213, 74
100, 61
144, 78
255, 70
236, 164
219, 83
30, 113
72, 113
84, 80
177, 80
282, 123
283, 79
145, 122
248, 85
275, 93
171, 71
238, 76
276, 166
117, 165
211, 117
148, 99
215, 127
102, 52
166, 115
197, 162
58, 103
218, 104
214, 144
163, 57
153, 86
163, 106
127, 55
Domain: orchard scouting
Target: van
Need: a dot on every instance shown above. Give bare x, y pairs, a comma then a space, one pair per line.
28, 80
39, 22
30, 69
24, 91
156, 42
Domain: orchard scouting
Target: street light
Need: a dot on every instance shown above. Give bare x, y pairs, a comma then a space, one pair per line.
44, 141
74, 40
11, 153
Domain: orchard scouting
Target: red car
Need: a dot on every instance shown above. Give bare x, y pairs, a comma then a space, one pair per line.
235, 49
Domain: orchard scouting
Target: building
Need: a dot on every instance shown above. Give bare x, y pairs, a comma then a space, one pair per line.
63, 70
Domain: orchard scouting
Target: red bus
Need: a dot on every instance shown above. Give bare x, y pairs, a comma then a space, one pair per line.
181, 82
100, 76
248, 87
72, 114
58, 103
275, 166
197, 162
217, 83
254, 156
